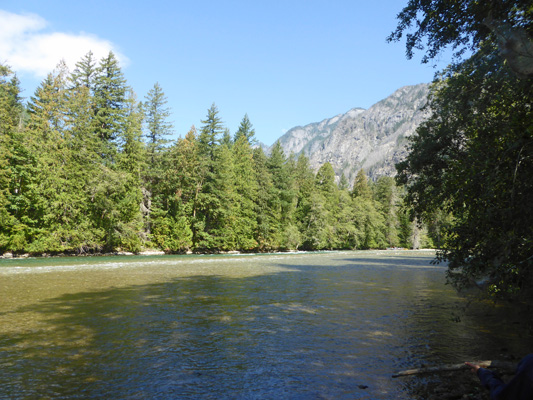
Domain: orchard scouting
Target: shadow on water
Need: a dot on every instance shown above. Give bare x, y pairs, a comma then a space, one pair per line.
314, 331
195, 337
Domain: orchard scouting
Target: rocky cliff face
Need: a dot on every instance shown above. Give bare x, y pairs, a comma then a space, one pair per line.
373, 139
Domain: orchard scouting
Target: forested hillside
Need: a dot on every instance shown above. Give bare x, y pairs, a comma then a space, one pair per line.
87, 167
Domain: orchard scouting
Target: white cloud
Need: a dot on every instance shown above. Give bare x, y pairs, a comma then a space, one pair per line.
27, 48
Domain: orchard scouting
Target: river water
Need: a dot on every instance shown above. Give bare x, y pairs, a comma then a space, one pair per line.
282, 326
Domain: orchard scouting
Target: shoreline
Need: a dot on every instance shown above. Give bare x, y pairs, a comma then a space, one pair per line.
153, 252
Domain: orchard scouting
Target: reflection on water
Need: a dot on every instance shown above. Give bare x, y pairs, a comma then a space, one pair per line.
303, 326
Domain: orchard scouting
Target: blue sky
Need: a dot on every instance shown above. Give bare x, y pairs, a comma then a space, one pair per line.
284, 63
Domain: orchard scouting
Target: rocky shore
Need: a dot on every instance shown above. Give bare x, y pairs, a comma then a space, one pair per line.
452, 385
9, 255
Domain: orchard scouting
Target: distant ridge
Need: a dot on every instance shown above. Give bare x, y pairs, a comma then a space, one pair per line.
373, 139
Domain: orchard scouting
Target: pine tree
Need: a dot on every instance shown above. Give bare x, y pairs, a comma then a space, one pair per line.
361, 188
246, 188
53, 209
387, 200
316, 233
207, 204
15, 164
325, 180
223, 234
85, 72
210, 133
266, 198
304, 186
7, 127
284, 200
369, 224
368, 221
245, 130
157, 126
343, 182
131, 165
110, 105
85, 169
345, 226
174, 198
327, 188
156, 130
226, 138
66, 210
115, 201
319, 223
183, 176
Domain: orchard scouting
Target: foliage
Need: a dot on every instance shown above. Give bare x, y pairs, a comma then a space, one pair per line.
387, 197
473, 159
361, 187
13, 157
85, 168
156, 127
467, 25
245, 130
109, 102
264, 211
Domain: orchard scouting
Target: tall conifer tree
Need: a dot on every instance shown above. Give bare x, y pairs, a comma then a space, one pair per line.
110, 105
157, 127
284, 199
156, 130
266, 216
387, 200
53, 210
245, 130
175, 198
246, 188
210, 133
320, 232
207, 203
85, 72
369, 222
15, 163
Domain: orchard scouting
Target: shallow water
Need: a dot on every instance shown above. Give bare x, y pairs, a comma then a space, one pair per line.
296, 326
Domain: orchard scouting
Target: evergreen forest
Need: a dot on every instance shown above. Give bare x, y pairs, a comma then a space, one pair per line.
86, 167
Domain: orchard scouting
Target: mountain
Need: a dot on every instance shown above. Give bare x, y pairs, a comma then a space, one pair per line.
373, 139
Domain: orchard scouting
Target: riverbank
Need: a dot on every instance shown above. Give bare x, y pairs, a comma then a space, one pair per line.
456, 385
10, 255
153, 252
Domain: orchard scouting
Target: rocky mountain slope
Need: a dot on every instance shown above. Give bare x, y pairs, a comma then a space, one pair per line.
373, 139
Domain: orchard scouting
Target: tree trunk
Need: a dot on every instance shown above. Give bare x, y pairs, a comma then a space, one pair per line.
506, 366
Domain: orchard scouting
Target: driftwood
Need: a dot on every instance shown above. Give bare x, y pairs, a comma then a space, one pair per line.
506, 366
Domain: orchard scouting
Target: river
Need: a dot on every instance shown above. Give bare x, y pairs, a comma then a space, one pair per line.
333, 325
